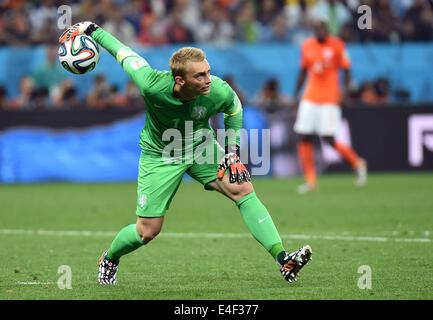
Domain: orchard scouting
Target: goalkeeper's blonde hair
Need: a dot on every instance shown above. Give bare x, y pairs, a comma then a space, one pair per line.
179, 59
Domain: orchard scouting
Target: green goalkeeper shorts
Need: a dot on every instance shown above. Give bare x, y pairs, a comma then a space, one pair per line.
158, 180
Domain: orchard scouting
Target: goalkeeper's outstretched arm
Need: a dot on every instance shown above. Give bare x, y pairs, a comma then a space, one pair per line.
238, 173
233, 122
130, 61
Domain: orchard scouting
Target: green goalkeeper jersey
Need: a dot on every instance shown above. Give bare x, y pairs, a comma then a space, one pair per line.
164, 110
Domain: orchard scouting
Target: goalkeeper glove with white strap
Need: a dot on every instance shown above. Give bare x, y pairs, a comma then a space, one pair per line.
80, 28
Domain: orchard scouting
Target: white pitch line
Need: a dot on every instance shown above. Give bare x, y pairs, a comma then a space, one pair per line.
34, 283
329, 237
61, 233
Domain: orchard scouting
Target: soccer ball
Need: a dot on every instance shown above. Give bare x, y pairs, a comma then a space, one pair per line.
79, 55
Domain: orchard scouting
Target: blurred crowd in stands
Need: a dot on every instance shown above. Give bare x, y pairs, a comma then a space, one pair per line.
153, 22
49, 87
220, 22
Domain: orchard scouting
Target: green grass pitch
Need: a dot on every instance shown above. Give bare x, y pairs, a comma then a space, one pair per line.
205, 251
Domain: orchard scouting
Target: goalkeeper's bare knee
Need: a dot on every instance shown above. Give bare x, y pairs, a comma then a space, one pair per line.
149, 228
235, 191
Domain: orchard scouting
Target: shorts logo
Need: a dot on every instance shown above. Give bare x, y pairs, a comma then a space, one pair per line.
142, 200
198, 112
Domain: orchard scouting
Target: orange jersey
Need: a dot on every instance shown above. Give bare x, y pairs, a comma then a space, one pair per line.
323, 62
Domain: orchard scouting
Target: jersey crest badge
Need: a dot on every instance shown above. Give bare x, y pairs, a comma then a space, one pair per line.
198, 112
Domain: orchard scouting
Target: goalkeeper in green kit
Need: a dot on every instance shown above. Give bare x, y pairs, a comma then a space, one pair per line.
177, 100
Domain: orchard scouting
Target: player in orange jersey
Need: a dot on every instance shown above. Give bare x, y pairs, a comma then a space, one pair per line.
322, 57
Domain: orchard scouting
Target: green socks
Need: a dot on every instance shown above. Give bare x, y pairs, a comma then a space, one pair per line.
254, 214
126, 241
260, 224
